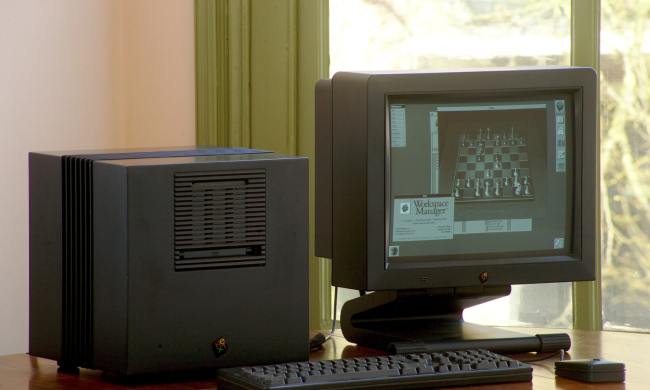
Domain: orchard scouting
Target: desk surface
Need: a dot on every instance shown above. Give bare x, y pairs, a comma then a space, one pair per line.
22, 371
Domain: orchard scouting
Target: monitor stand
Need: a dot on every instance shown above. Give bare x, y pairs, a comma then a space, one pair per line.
409, 321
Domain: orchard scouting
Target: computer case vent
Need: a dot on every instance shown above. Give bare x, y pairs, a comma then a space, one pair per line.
219, 219
77, 275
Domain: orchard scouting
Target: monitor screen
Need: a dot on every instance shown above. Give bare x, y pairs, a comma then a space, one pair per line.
478, 177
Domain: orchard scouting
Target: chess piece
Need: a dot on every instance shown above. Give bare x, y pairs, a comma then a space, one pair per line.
467, 140
516, 183
497, 142
480, 134
497, 161
488, 174
487, 134
463, 141
488, 188
528, 188
477, 188
498, 189
506, 181
457, 193
468, 182
518, 189
458, 182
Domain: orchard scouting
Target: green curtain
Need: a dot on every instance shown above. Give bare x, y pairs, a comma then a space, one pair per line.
257, 62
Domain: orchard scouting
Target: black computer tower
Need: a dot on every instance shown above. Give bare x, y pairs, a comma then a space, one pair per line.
169, 260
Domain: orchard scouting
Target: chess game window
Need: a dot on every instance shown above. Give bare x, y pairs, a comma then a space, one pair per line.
477, 177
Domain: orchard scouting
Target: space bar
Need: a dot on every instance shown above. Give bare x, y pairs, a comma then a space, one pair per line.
346, 376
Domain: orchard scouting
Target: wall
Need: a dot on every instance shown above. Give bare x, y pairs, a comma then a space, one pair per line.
78, 74
158, 64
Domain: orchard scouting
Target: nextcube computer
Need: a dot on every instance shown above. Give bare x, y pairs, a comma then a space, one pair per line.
438, 191
168, 260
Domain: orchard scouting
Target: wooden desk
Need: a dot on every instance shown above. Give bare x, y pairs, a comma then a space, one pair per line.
24, 372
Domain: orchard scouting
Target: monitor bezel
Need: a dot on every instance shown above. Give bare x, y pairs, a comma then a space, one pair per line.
579, 265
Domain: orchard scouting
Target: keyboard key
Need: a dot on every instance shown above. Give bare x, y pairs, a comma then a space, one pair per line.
408, 371
443, 360
352, 376
486, 365
274, 381
294, 380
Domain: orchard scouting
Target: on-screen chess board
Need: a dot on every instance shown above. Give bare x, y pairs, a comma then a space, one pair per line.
492, 168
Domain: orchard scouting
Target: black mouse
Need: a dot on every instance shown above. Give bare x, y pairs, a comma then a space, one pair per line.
591, 370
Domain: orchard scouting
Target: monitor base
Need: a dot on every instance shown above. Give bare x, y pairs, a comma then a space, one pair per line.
431, 320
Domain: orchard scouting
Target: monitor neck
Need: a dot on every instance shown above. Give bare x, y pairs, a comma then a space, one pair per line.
380, 318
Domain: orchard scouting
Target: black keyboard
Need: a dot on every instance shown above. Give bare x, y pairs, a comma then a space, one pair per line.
412, 371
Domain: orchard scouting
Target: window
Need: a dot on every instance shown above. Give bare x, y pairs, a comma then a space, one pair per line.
413, 34
625, 163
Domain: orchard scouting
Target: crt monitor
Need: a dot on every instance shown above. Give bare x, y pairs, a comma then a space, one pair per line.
439, 190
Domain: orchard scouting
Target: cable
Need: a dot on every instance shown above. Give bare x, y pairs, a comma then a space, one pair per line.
336, 296
534, 361
544, 357
316, 342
